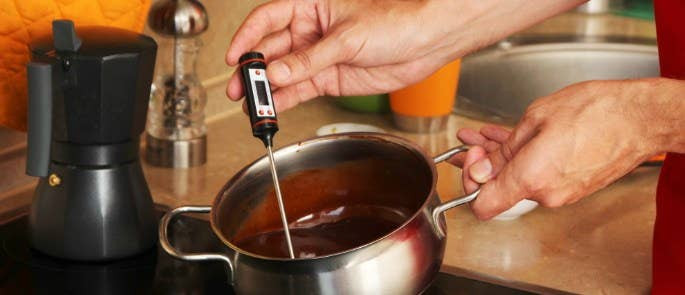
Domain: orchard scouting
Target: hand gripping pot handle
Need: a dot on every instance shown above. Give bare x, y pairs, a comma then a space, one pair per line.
454, 202
164, 239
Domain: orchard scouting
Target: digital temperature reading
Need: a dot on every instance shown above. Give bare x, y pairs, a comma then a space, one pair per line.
262, 97
261, 93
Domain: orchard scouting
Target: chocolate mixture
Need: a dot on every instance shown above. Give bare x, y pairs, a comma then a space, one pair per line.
334, 209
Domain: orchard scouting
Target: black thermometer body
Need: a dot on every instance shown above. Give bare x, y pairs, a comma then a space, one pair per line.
260, 104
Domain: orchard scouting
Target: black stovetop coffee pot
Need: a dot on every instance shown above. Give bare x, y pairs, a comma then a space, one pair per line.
88, 98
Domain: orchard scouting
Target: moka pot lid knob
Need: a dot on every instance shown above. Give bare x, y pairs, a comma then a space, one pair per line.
178, 18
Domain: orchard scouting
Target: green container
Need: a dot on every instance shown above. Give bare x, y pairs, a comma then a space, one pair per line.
365, 104
642, 9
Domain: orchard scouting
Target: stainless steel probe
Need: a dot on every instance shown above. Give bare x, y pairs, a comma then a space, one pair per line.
263, 119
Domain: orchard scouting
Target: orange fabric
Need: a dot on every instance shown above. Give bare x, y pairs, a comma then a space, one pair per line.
24, 20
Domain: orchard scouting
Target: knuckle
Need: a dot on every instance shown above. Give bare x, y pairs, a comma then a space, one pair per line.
484, 205
260, 12
537, 103
508, 202
585, 86
348, 42
319, 86
531, 188
534, 114
551, 201
506, 151
482, 212
300, 92
303, 59
483, 216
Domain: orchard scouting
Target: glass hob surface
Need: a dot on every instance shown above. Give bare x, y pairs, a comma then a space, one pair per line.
26, 271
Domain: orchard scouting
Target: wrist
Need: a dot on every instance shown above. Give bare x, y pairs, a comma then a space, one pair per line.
469, 25
454, 23
660, 108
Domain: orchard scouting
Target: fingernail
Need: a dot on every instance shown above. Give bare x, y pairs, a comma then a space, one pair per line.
480, 171
279, 71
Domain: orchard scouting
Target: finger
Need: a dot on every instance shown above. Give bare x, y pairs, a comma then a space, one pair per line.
487, 168
491, 146
234, 89
500, 193
470, 137
275, 45
458, 160
304, 64
522, 178
262, 21
495, 133
467, 136
290, 96
473, 155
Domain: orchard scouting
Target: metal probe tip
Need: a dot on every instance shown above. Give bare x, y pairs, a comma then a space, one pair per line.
281, 207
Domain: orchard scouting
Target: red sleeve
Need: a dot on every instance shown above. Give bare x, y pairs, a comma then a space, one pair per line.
668, 258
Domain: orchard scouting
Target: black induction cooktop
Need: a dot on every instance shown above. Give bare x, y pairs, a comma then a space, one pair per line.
26, 271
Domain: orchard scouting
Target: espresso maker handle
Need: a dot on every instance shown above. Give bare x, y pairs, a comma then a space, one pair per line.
39, 118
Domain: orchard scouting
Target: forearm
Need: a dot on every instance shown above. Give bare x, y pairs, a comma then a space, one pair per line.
472, 24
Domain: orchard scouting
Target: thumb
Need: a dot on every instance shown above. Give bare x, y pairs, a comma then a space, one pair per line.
518, 179
303, 64
499, 194
473, 155
485, 169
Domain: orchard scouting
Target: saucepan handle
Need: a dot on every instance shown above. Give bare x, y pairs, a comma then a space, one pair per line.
164, 239
454, 202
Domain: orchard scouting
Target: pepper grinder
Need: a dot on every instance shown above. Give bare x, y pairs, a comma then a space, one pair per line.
176, 132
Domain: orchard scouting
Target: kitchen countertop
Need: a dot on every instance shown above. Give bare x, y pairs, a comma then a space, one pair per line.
601, 244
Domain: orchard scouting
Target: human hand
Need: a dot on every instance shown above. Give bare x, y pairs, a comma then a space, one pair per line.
487, 140
341, 47
571, 144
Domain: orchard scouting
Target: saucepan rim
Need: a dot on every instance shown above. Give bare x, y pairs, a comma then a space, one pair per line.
384, 137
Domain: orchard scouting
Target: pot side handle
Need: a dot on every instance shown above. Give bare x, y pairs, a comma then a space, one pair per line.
437, 211
164, 239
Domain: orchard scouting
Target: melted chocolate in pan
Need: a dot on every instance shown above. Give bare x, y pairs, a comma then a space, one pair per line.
334, 209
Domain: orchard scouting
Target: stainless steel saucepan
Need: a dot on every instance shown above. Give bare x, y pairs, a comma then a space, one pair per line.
397, 173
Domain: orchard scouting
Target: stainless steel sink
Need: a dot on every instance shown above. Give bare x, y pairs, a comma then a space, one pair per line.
498, 83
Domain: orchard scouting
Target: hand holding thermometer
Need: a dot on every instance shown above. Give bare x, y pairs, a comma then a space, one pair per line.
262, 113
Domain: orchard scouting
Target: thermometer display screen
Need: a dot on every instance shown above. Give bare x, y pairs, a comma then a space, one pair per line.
261, 93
